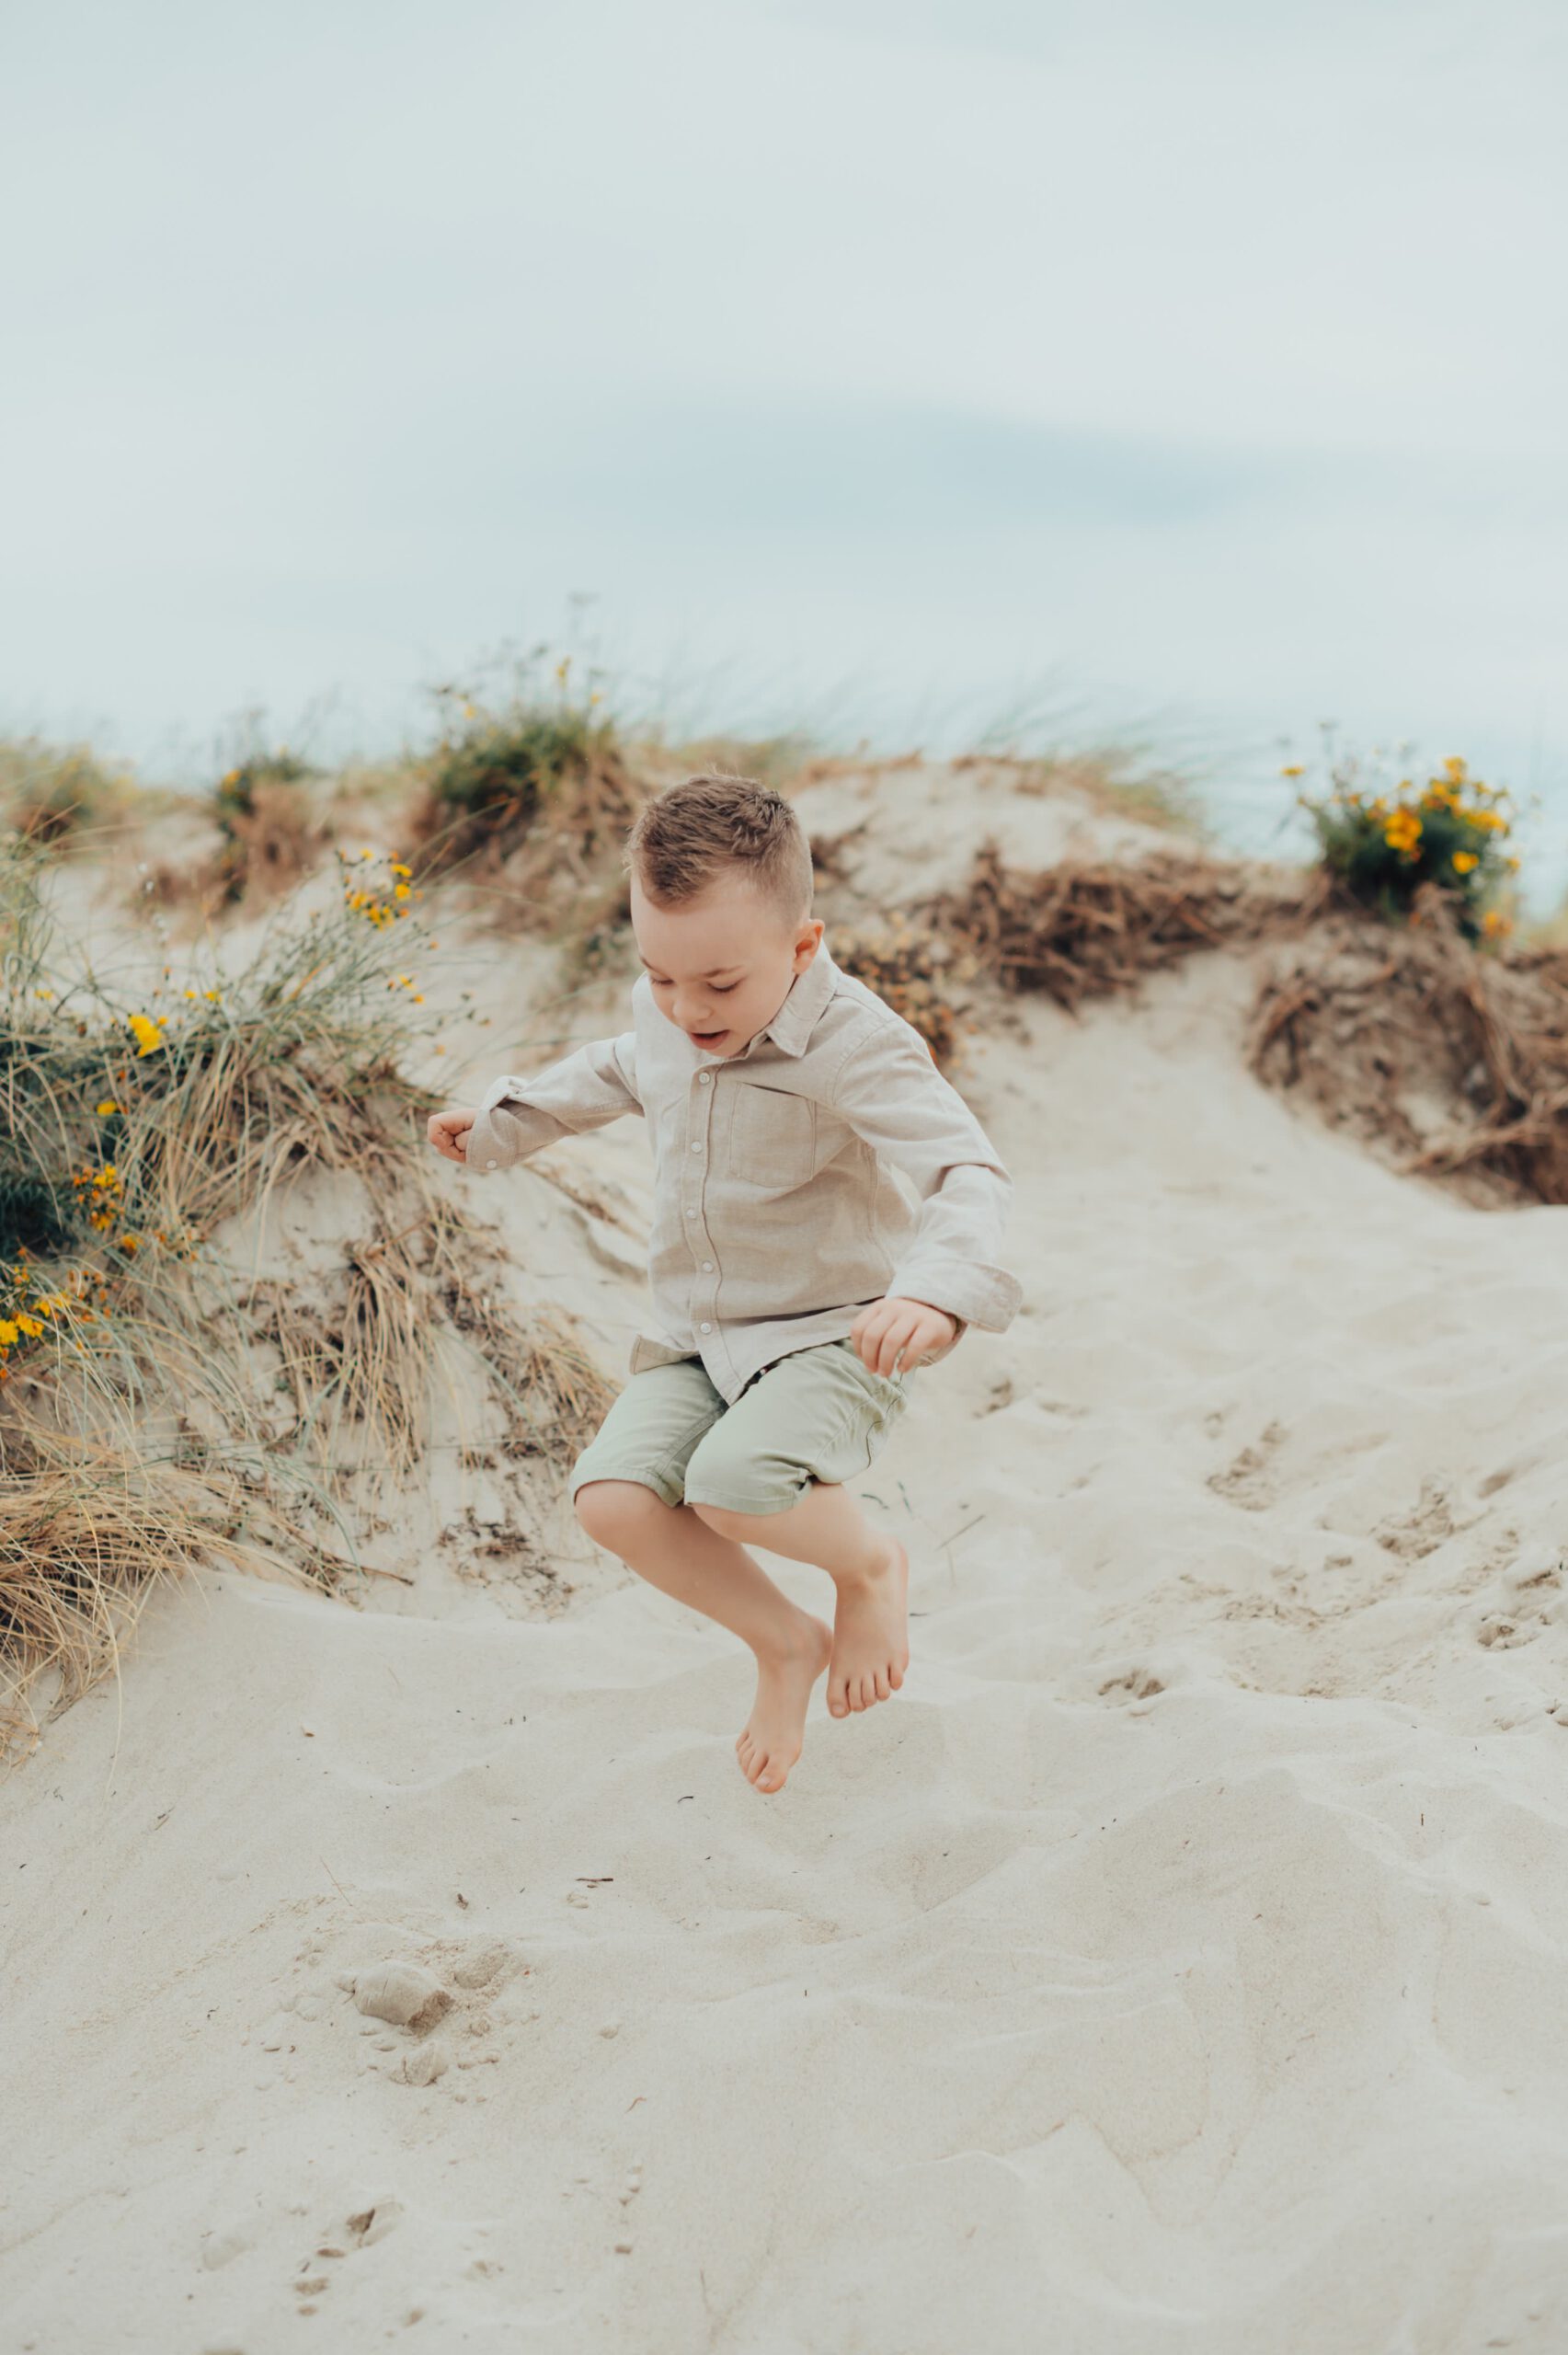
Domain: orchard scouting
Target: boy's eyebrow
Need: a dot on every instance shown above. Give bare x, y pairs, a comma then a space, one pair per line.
712, 976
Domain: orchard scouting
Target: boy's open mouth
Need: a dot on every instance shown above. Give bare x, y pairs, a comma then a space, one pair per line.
707, 1037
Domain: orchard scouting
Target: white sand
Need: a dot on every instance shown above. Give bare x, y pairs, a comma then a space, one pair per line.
1178, 1964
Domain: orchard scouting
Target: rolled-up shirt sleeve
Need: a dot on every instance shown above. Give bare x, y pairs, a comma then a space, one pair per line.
893, 1096
593, 1085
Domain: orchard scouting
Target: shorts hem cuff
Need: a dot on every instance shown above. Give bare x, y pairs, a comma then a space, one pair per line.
667, 1490
746, 1504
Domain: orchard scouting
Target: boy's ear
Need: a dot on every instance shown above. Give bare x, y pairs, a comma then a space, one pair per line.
810, 934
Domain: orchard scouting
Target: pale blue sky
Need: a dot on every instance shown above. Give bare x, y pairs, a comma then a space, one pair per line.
896, 360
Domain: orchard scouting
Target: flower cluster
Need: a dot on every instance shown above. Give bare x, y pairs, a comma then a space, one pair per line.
1449, 831
26, 1312
103, 1192
383, 906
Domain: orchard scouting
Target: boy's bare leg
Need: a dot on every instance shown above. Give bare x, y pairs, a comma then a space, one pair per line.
871, 1639
675, 1551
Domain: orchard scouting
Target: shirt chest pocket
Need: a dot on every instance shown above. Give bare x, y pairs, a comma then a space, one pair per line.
771, 1137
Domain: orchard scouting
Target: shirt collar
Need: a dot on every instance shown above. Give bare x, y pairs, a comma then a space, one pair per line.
805, 1001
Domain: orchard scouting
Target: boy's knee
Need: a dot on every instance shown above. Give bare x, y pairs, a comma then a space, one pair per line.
611, 1509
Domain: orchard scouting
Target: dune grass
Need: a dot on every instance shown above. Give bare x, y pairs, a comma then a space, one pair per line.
157, 1385
56, 794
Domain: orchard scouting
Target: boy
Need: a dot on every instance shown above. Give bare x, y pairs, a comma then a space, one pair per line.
793, 1286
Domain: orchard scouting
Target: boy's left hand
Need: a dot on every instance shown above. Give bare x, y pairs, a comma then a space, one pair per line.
880, 1331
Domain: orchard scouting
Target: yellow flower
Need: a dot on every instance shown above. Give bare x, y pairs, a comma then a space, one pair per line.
129, 1242
366, 852
148, 1036
398, 868
400, 891
106, 1107
191, 993
1464, 860
1455, 766
1403, 831
44, 993
212, 995
7, 1333
28, 1324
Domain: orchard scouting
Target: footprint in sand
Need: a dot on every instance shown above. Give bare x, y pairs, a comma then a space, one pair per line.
361, 2230
1431, 1523
1535, 1604
1133, 1685
1248, 1482
449, 1988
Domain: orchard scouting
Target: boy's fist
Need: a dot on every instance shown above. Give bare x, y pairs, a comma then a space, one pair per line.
889, 1326
448, 1132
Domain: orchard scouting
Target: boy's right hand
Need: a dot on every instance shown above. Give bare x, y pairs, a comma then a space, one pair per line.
448, 1132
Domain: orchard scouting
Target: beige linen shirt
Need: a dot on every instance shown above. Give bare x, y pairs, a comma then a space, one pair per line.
776, 1219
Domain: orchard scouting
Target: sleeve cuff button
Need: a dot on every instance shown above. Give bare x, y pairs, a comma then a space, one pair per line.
490, 1164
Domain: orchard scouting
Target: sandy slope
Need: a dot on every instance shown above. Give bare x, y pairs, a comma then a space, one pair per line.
1176, 1965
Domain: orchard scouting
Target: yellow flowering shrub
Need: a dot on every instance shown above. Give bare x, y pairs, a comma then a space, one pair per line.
1449, 828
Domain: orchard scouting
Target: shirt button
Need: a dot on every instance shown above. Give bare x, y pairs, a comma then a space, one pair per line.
707, 1267
704, 1079
697, 1144
489, 1164
690, 1213
706, 1328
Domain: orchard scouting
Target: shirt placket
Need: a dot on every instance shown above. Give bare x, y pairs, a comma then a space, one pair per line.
704, 1261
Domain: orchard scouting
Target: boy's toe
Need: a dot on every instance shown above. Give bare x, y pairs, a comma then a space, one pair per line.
884, 1686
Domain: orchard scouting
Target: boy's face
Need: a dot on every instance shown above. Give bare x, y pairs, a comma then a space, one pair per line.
722, 964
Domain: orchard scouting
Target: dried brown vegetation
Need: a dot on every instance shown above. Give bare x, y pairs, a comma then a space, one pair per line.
912, 967
1450, 1056
1089, 929
1410, 1035
86, 1537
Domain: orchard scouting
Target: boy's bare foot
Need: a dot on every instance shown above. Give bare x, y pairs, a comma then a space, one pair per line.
769, 1742
871, 1639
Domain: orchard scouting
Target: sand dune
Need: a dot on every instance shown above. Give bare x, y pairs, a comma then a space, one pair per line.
1176, 1968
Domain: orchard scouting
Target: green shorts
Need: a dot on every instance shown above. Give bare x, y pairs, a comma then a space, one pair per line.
818, 1414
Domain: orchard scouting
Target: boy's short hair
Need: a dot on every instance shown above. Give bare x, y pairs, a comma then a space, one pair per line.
687, 836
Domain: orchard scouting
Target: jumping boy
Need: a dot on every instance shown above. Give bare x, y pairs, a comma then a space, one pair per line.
794, 1287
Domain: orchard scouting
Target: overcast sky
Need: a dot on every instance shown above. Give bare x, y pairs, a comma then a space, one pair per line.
897, 360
